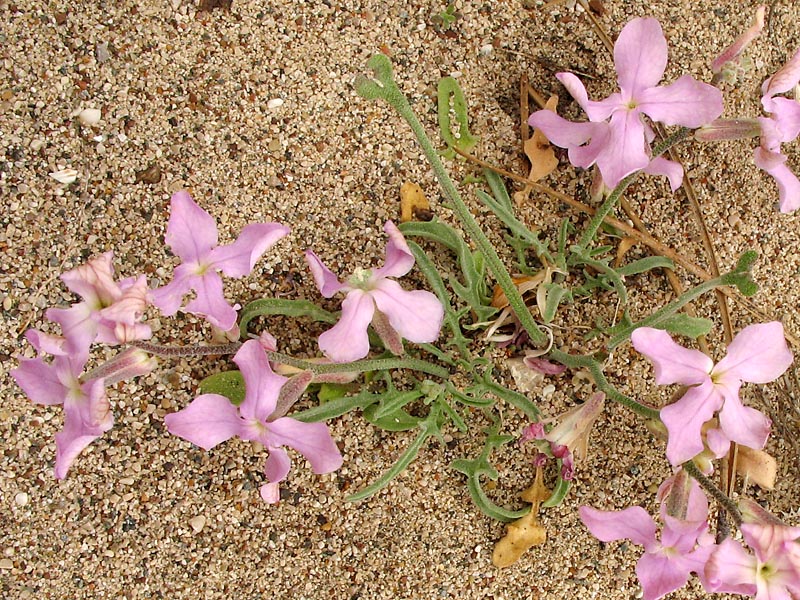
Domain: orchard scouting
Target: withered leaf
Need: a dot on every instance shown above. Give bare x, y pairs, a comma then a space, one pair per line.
209, 5
151, 174
413, 203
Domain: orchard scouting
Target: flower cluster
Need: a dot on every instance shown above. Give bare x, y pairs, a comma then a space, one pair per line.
617, 138
112, 313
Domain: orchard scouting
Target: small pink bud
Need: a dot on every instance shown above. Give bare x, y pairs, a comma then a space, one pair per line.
728, 129
732, 53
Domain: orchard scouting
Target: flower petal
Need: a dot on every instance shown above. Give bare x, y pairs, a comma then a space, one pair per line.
785, 113
686, 102
744, 425
576, 89
561, 132
278, 464
39, 381
788, 184
77, 434
684, 421
312, 440
326, 281
168, 298
210, 302
672, 362
783, 80
731, 569
239, 258
640, 55
632, 523
270, 493
348, 340
399, 258
209, 420
671, 170
77, 325
758, 354
625, 150
261, 386
416, 315
191, 231
660, 574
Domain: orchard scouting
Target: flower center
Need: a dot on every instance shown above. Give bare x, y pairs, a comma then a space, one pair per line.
360, 278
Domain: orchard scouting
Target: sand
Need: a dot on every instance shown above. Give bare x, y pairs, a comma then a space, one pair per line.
253, 111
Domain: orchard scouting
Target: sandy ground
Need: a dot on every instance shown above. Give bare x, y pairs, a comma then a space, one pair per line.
144, 514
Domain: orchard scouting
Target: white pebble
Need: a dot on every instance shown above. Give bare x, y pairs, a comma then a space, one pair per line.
21, 499
486, 49
275, 103
6, 564
548, 390
198, 523
90, 116
65, 176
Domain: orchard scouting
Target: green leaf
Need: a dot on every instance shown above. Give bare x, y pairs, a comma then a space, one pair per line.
481, 467
466, 141
285, 307
332, 391
683, 324
644, 264
555, 294
559, 493
474, 290
398, 420
228, 383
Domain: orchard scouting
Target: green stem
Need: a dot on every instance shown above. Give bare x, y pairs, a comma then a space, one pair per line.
714, 491
616, 193
194, 350
667, 311
360, 366
594, 367
384, 87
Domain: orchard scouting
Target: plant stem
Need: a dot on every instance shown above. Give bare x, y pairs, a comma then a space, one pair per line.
587, 362
384, 87
665, 311
360, 366
708, 485
193, 350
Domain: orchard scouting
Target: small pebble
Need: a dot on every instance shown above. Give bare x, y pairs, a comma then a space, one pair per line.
275, 103
90, 116
21, 499
198, 523
65, 176
6, 564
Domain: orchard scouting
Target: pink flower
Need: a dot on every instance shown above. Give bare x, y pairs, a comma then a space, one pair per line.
782, 125
570, 438
620, 146
192, 235
87, 413
758, 354
771, 573
110, 311
730, 58
211, 419
372, 297
684, 546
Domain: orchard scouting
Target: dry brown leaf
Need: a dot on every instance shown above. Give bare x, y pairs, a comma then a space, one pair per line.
526, 532
757, 466
540, 154
625, 244
413, 203
538, 150
520, 535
